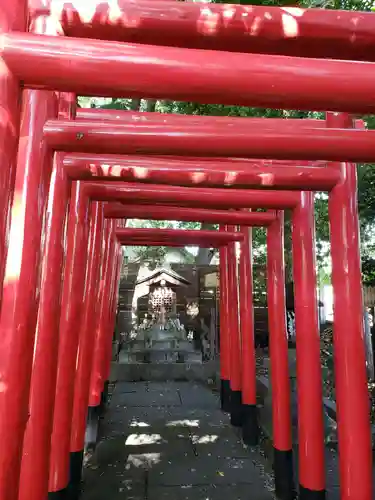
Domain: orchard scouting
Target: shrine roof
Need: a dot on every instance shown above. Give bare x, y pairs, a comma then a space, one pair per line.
161, 274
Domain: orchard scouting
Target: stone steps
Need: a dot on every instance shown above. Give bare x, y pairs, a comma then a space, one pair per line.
160, 356
135, 345
197, 371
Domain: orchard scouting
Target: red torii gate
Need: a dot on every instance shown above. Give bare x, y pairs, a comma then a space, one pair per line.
117, 191
154, 212
209, 140
50, 63
181, 172
292, 31
175, 237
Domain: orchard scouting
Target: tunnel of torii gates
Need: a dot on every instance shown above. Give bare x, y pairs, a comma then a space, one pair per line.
63, 181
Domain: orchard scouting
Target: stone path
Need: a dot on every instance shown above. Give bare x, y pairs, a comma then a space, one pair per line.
170, 441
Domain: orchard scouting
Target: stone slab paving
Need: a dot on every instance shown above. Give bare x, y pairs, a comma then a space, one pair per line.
170, 441
146, 399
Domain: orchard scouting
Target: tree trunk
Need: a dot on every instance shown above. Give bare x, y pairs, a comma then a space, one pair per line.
151, 105
135, 104
205, 255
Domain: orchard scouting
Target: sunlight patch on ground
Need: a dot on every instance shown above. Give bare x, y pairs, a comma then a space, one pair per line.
206, 439
143, 439
143, 460
183, 423
139, 424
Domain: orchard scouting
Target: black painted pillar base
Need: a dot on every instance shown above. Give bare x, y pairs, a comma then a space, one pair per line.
236, 408
104, 399
225, 395
284, 475
307, 494
92, 426
74, 487
58, 495
250, 428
